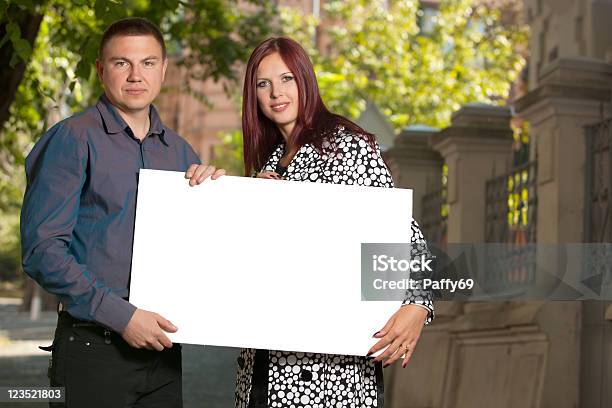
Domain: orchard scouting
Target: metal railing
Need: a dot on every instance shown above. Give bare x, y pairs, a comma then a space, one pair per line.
598, 194
598, 225
434, 217
510, 219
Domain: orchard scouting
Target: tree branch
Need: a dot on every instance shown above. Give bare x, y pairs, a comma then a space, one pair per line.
10, 77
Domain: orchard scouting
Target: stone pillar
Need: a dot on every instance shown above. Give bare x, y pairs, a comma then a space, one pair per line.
414, 164
571, 93
476, 147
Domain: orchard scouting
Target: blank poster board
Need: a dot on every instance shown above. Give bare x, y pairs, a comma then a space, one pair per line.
269, 264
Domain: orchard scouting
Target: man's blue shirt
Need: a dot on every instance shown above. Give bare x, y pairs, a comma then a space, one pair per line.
77, 219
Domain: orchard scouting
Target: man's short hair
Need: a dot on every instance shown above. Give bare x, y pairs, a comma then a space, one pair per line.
132, 26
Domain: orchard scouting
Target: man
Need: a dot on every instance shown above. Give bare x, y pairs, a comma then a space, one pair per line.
77, 225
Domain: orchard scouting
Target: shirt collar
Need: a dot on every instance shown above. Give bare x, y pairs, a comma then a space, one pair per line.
114, 123
156, 127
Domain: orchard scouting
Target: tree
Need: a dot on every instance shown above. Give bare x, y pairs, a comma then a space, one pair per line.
217, 33
417, 67
417, 70
18, 32
51, 47
229, 153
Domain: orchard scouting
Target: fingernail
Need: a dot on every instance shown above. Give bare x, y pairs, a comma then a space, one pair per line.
386, 365
369, 354
376, 333
403, 365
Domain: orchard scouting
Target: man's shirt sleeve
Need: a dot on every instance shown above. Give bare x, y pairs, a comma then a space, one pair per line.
56, 173
192, 157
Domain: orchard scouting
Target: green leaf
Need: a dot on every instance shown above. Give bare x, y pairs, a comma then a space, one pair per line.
171, 4
83, 69
100, 7
115, 12
4, 40
23, 49
27, 4
13, 31
14, 60
3, 10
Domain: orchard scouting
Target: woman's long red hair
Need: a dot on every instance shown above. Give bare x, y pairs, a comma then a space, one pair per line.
314, 121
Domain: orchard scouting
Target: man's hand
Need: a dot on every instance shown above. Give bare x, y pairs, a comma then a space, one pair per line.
146, 330
197, 173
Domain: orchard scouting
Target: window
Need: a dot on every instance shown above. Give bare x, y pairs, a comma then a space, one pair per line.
425, 18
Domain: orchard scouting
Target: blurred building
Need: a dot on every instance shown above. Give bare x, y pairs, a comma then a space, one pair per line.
472, 185
198, 123
537, 171
567, 28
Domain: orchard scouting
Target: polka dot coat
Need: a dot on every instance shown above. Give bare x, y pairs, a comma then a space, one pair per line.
270, 378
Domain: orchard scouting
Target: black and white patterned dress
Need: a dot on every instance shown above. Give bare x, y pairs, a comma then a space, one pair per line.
269, 378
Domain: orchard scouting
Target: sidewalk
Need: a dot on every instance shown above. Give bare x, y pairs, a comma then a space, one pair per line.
20, 336
22, 363
208, 372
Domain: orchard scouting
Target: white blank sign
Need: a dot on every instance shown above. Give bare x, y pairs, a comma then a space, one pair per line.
268, 264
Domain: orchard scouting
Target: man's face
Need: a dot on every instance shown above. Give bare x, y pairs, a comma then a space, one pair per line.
132, 70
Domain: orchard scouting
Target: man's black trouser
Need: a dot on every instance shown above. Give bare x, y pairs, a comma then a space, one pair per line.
99, 369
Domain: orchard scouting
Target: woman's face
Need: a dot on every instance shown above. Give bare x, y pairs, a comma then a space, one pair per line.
277, 93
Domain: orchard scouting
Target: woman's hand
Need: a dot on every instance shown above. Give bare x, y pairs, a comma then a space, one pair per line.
400, 335
269, 175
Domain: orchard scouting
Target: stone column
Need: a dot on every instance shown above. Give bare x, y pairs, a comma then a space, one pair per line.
571, 93
476, 147
414, 164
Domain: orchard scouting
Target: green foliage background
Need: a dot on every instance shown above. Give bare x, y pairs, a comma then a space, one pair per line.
414, 72
60, 75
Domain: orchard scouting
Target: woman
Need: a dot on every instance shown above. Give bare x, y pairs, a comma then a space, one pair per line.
289, 134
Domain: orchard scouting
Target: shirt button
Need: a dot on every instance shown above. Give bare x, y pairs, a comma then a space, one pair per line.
71, 338
305, 375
